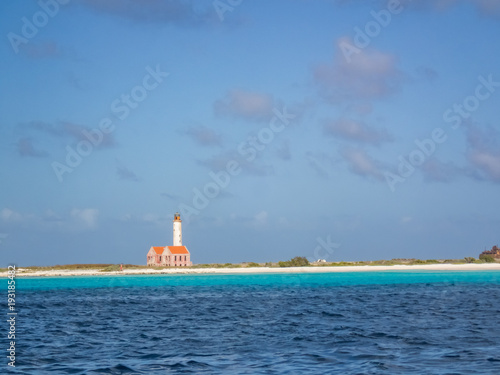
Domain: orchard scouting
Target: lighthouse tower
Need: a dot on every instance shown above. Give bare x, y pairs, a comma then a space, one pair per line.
177, 229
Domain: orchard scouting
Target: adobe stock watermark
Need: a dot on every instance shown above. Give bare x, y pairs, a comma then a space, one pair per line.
462, 111
223, 6
248, 150
31, 26
324, 250
455, 115
11, 315
120, 108
364, 36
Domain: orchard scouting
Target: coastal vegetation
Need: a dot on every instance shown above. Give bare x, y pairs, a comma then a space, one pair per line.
102, 267
487, 258
294, 262
490, 256
216, 265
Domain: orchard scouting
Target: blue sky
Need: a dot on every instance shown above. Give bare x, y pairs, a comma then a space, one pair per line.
342, 130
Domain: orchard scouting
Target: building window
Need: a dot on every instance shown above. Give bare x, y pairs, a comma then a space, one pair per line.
185, 258
175, 258
160, 258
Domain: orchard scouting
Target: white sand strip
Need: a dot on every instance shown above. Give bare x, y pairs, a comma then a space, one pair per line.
311, 269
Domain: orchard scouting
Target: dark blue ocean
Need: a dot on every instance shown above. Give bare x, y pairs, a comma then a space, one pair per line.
412, 322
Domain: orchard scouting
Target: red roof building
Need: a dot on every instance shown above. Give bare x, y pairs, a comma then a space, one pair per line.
171, 256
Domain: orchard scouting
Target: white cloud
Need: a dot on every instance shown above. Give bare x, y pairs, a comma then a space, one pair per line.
86, 216
10, 216
260, 218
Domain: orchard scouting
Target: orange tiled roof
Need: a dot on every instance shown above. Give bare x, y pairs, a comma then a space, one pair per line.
178, 249
158, 249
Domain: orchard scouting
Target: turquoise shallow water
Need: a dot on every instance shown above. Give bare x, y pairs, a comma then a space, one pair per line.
415, 322
305, 279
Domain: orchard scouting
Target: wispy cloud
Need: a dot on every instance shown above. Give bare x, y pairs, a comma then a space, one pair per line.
38, 51
487, 162
8, 215
435, 170
204, 136
125, 173
148, 219
283, 151
320, 162
176, 12
26, 148
371, 74
405, 219
172, 197
87, 216
485, 7
219, 162
362, 164
489, 8
259, 220
245, 104
68, 130
355, 131
77, 219
484, 152
427, 74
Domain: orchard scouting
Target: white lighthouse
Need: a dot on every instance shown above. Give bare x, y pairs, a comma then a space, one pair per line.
171, 256
177, 229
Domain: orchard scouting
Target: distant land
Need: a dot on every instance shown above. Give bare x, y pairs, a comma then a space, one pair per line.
297, 264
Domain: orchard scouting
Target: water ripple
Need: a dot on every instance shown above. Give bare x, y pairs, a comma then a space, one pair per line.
439, 328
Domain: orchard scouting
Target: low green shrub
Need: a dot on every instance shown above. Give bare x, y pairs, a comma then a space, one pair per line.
295, 262
487, 258
111, 268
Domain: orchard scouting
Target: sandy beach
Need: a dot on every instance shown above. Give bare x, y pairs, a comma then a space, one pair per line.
22, 272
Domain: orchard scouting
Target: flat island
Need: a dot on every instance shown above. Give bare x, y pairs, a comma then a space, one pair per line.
95, 270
